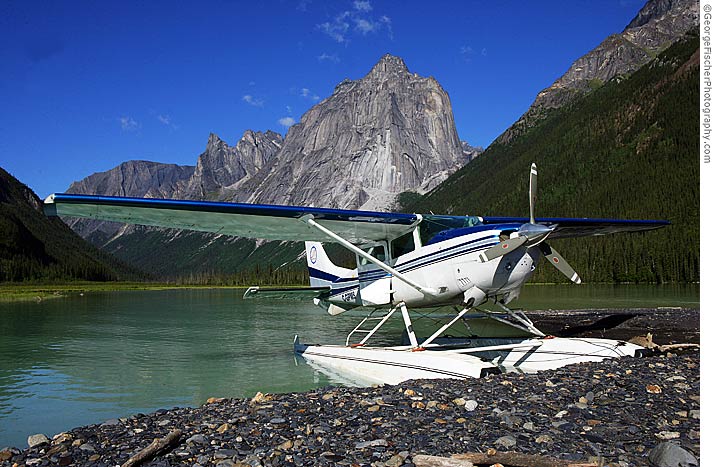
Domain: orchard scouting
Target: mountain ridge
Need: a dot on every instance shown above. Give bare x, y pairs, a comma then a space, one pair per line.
655, 27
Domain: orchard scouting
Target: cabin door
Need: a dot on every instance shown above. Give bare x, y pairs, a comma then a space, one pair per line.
375, 284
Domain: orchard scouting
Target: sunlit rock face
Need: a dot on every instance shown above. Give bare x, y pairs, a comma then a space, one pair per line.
389, 132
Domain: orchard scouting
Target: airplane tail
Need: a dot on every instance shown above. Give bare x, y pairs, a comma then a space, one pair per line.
323, 272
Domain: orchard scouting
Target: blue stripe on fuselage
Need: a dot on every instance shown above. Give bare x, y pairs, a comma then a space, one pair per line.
430, 258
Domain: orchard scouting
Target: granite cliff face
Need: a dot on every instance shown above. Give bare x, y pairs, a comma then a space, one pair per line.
389, 132
658, 24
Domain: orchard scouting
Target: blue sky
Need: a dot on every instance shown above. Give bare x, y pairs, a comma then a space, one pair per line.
85, 86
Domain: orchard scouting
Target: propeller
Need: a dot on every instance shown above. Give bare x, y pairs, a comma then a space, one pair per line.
559, 262
532, 234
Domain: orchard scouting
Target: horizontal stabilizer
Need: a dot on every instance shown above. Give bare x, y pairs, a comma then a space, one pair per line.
285, 293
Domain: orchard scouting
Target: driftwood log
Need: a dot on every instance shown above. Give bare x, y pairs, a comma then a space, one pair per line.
421, 460
158, 445
506, 459
647, 342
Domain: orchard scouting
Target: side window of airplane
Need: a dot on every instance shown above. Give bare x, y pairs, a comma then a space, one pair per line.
402, 245
377, 251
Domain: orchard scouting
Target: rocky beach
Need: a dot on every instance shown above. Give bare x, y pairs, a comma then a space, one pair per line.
619, 412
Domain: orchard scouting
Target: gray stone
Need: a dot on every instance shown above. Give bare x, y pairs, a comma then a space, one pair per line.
111, 422
373, 443
87, 447
224, 453
197, 439
506, 441
669, 454
471, 405
36, 440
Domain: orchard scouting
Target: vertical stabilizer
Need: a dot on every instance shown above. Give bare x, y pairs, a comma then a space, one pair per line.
323, 272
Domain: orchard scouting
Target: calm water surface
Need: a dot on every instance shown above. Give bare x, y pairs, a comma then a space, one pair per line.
86, 359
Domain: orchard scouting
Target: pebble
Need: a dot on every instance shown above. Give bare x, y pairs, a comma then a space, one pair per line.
546, 439
197, 439
374, 443
37, 440
669, 454
506, 441
388, 425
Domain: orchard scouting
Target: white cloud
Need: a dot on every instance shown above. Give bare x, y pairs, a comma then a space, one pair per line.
364, 26
164, 119
324, 57
128, 124
466, 50
255, 102
362, 5
467, 53
387, 22
337, 28
287, 122
362, 20
305, 92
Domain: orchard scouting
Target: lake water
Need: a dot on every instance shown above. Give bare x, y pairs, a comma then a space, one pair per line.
85, 359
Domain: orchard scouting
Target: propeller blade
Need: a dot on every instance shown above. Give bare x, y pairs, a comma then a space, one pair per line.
502, 248
533, 191
559, 262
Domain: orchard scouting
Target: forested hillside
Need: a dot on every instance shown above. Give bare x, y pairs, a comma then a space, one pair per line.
34, 247
627, 150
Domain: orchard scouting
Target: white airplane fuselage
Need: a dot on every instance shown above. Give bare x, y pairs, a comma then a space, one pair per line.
453, 267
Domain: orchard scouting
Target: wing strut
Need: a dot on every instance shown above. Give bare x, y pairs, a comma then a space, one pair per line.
308, 219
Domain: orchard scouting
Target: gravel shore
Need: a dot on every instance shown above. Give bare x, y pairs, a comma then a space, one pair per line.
617, 410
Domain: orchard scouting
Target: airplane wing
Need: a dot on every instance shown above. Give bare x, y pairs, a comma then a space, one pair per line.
582, 227
243, 220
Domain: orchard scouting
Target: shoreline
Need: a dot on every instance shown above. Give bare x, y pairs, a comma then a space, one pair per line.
618, 409
25, 292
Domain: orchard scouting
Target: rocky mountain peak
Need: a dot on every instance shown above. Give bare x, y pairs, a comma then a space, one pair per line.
221, 166
389, 65
655, 9
214, 141
388, 132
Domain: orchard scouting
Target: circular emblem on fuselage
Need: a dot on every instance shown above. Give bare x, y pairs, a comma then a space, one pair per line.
313, 255
505, 245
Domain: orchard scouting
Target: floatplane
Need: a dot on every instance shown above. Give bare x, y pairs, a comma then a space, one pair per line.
403, 262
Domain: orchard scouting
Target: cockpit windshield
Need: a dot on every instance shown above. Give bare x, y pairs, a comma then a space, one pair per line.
433, 224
